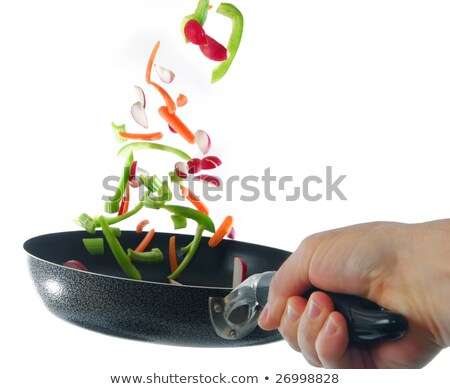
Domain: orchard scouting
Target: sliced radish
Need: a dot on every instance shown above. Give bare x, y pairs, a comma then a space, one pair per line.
165, 75
203, 141
73, 264
210, 179
239, 271
232, 233
140, 95
210, 162
194, 165
195, 33
171, 129
138, 113
132, 174
133, 181
122, 206
181, 169
214, 50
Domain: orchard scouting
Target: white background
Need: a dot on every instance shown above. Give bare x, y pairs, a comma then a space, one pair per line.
361, 86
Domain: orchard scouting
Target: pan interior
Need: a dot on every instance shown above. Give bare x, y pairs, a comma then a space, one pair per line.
211, 267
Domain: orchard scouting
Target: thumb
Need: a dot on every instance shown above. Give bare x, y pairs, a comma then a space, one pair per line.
291, 279
336, 261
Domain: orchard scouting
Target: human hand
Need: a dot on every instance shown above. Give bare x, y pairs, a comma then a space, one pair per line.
402, 267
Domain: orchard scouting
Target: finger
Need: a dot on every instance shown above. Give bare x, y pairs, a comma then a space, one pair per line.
332, 343
317, 310
291, 279
291, 317
352, 252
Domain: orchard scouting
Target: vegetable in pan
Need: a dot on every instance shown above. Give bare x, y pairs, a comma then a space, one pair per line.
157, 194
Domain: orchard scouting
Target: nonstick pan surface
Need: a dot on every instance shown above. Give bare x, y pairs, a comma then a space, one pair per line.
153, 310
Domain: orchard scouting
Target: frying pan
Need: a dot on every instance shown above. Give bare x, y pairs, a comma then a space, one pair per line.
203, 311
104, 300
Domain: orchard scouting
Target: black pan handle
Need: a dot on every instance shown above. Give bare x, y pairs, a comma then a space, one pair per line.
367, 322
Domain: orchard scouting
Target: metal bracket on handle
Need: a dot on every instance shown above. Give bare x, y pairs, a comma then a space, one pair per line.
236, 315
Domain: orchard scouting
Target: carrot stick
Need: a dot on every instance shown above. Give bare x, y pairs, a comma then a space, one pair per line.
141, 225
173, 254
146, 241
175, 122
195, 201
181, 100
169, 101
151, 136
150, 62
184, 191
171, 106
220, 233
198, 204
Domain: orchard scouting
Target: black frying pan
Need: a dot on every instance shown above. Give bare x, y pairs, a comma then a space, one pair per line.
154, 310
104, 300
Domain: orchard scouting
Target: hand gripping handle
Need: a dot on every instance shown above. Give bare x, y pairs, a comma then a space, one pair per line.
367, 322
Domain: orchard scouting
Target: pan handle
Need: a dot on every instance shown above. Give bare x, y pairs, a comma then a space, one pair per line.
367, 322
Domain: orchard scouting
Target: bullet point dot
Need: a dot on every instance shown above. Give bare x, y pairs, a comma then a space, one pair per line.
267, 378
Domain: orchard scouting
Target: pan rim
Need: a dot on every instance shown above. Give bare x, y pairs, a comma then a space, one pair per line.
33, 256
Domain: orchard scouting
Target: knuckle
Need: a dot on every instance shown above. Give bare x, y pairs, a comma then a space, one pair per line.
311, 242
288, 334
305, 338
276, 284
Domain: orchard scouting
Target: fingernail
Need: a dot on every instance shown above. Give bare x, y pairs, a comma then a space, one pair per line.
330, 327
263, 315
314, 310
292, 313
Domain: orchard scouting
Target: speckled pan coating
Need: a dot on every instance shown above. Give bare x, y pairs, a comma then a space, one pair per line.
102, 300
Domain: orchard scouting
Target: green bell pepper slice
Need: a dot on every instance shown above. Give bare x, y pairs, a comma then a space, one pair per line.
112, 205
153, 256
189, 213
193, 246
135, 146
179, 222
230, 11
117, 250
